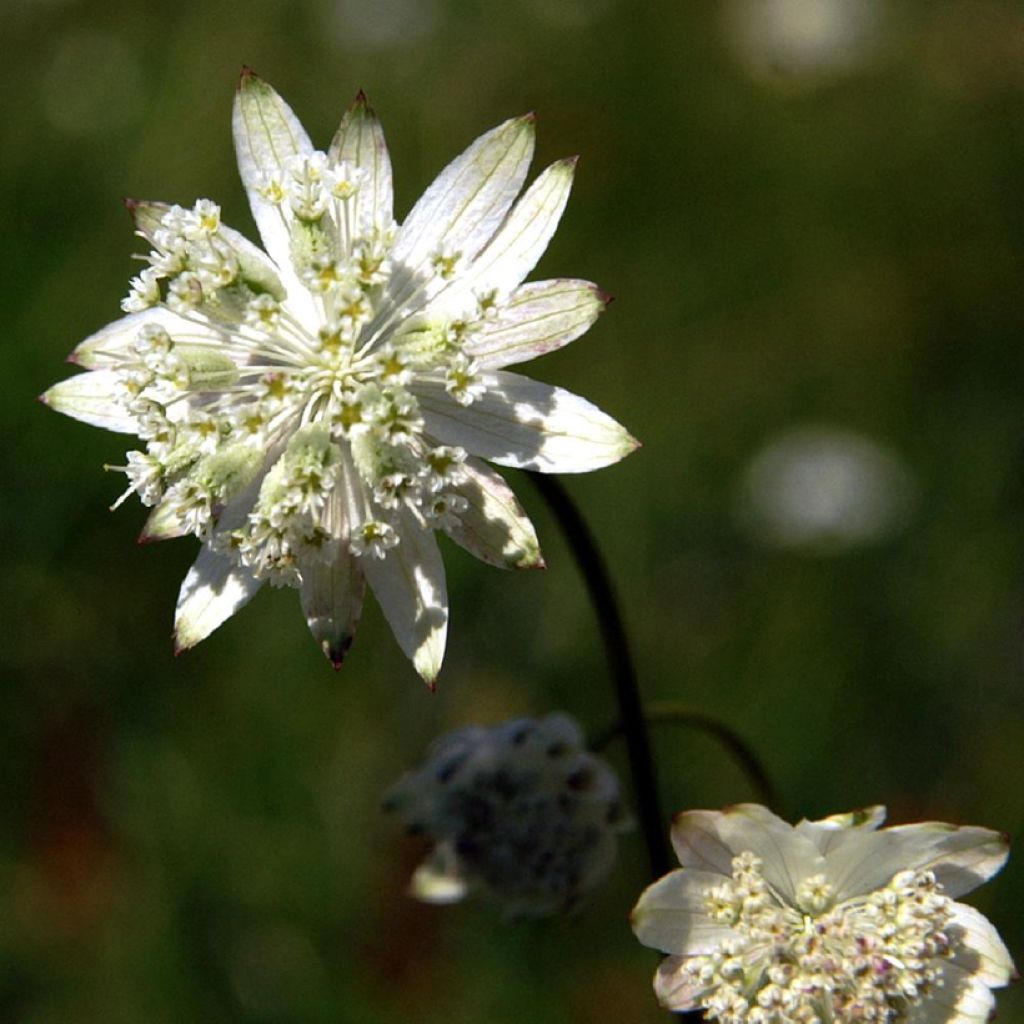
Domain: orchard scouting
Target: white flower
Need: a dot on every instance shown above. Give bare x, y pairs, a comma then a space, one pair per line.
522, 813
828, 921
315, 411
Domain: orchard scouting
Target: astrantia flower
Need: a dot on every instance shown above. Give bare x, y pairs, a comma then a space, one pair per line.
828, 922
522, 813
314, 412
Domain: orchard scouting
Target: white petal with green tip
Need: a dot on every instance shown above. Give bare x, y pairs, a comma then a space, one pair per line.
360, 140
520, 241
961, 857
830, 833
266, 134
537, 318
95, 397
960, 999
213, 590
526, 424
469, 199
332, 600
110, 345
163, 523
674, 989
409, 584
672, 916
494, 527
983, 953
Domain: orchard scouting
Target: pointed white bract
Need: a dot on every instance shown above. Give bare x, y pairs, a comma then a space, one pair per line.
311, 410
521, 813
835, 920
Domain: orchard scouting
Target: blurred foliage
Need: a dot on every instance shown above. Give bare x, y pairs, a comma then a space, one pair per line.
793, 241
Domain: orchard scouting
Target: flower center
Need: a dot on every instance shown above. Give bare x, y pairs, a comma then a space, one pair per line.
272, 405
873, 958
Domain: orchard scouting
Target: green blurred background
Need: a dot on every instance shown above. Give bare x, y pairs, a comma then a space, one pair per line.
810, 214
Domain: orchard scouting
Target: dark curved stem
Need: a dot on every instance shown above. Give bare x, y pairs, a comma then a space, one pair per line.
620, 663
674, 713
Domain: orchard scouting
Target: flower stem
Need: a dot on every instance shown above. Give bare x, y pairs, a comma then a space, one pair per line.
620, 662
677, 713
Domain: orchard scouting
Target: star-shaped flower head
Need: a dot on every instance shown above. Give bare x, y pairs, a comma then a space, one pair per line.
827, 922
521, 813
314, 412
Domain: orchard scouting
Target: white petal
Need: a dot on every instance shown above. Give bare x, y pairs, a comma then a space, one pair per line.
961, 999
332, 600
214, 589
514, 250
360, 140
111, 345
469, 198
494, 526
961, 856
831, 831
523, 423
981, 951
266, 134
699, 844
708, 840
438, 879
673, 990
409, 585
163, 523
92, 397
538, 317
672, 916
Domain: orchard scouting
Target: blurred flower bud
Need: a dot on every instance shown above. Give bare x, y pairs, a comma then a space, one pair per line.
521, 812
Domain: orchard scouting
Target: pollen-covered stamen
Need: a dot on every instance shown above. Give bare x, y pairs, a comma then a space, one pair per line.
153, 425
285, 527
445, 261
370, 262
397, 488
373, 539
324, 273
344, 180
869, 958
462, 380
144, 291
204, 431
814, 895
263, 311
387, 415
270, 189
213, 481
215, 264
393, 366
145, 478
306, 186
352, 307
488, 303
443, 467
334, 340
204, 219
444, 511
185, 292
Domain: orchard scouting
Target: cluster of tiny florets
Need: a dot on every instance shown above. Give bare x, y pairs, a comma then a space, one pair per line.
869, 958
258, 402
522, 812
